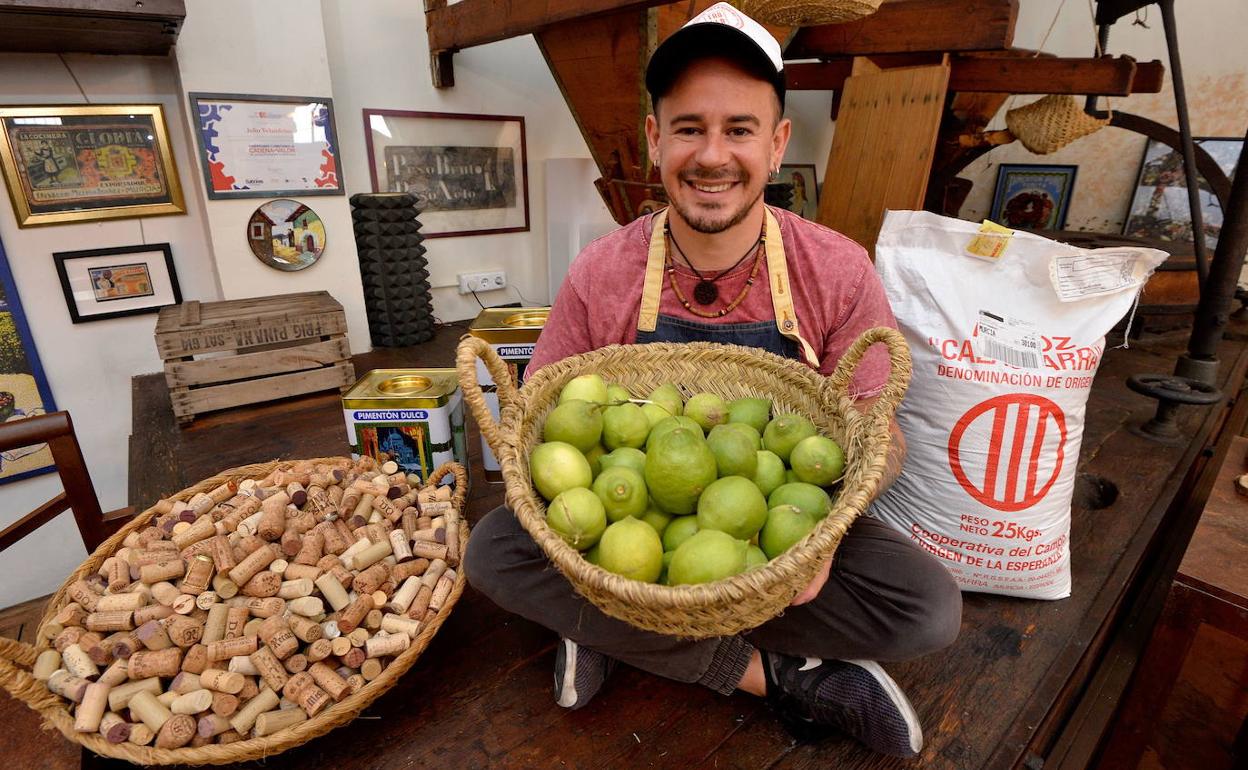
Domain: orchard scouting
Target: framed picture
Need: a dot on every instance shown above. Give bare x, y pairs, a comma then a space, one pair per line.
286, 235
267, 146
1159, 205
76, 163
805, 188
1032, 196
117, 282
24, 390
468, 171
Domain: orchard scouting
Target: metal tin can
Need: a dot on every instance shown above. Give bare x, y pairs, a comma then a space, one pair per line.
512, 332
414, 417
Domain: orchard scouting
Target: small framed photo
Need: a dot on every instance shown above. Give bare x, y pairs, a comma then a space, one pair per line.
1032, 196
79, 163
1159, 204
267, 146
117, 282
468, 171
805, 188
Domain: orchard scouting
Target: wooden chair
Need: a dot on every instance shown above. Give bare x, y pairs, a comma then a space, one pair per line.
57, 431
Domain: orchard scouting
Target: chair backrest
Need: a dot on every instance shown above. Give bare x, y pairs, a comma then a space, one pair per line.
57, 431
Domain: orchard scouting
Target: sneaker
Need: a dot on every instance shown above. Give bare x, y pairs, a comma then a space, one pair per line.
855, 697
579, 673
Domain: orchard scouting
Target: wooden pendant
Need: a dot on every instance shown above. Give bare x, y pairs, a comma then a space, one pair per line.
705, 293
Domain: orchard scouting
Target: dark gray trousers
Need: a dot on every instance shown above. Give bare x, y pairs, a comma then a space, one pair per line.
886, 599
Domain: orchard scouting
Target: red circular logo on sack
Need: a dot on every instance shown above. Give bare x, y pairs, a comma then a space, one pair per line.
1022, 455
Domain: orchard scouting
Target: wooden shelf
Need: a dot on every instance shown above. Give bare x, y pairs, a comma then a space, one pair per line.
143, 27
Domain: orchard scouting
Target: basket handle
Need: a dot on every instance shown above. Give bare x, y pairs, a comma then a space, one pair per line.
469, 350
461, 481
886, 403
15, 657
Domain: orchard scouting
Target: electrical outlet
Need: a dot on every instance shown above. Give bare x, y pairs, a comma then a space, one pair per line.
488, 281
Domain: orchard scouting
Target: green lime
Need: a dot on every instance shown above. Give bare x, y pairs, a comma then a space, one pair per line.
622, 491
818, 460
616, 393
630, 547
576, 515
733, 505
595, 456
669, 424
754, 412
668, 397
783, 433
586, 387
678, 467
754, 557
678, 531
803, 496
736, 453
657, 519
707, 556
627, 457
769, 473
556, 466
575, 422
786, 525
624, 425
707, 410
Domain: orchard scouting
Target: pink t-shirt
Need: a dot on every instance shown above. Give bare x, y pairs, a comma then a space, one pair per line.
836, 295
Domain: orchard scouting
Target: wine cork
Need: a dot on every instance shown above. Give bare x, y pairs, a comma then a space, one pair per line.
151, 612
429, 550
355, 657
245, 717
92, 644
77, 662
335, 542
199, 504
185, 631
259, 559
184, 604
276, 634
296, 663
341, 646
119, 697
278, 719
228, 648
177, 731
333, 591
67, 637
229, 736
311, 547
330, 681
141, 734
114, 728
304, 629
119, 603
162, 570
291, 541
203, 528
279, 566
224, 704
47, 662
250, 688
67, 685
185, 682
71, 614
295, 589
222, 554
403, 597
271, 669
212, 725
398, 624
330, 629
241, 664
263, 607
357, 682
206, 600
382, 646
302, 689
224, 587
407, 569
145, 664
420, 604
253, 627
196, 659
350, 617
80, 591
117, 572
214, 626
302, 572
165, 593
149, 710
198, 575
118, 672
236, 619
371, 669
153, 635
296, 494
222, 681
194, 702
319, 650
272, 517
452, 542
347, 557
263, 584
167, 698
307, 606
370, 580
443, 591
399, 547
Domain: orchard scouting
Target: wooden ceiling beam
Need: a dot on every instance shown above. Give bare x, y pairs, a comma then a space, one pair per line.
912, 25
477, 22
1106, 76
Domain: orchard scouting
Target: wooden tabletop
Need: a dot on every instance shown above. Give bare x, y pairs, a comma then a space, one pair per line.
1215, 560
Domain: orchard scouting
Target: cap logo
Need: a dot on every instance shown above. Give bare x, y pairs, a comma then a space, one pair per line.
721, 13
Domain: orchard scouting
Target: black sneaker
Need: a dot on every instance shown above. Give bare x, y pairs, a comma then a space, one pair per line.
855, 697
579, 673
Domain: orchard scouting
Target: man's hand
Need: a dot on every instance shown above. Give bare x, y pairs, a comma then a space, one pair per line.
816, 585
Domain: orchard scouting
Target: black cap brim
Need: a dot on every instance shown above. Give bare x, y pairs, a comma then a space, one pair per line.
702, 41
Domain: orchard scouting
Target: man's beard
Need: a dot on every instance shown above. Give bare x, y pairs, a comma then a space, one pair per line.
710, 224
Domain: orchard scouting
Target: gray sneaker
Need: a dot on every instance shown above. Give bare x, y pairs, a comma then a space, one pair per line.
855, 697
579, 673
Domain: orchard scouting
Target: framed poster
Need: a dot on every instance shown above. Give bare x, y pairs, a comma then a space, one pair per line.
117, 282
286, 235
24, 390
468, 171
75, 163
1032, 196
267, 146
805, 188
1159, 205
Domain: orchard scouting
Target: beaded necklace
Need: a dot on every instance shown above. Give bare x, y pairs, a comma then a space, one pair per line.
710, 293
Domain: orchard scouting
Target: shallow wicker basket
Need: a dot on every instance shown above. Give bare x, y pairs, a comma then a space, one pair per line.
16, 658
741, 602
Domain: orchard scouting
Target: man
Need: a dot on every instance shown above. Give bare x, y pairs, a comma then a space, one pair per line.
716, 265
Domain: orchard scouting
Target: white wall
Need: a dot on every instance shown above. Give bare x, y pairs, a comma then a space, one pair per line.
89, 365
379, 58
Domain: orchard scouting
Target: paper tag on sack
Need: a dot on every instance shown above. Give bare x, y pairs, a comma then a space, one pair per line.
1008, 340
989, 244
1099, 272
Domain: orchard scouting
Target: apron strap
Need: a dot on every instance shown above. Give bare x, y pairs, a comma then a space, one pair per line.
781, 297
648, 317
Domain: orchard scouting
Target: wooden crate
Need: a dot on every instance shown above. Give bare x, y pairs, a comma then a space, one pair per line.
223, 354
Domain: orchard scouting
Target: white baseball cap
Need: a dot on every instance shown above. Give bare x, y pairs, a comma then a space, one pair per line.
720, 30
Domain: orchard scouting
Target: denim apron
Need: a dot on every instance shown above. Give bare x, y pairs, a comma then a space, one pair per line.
780, 336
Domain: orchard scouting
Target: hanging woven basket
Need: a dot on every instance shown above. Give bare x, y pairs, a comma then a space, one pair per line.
1049, 124
807, 13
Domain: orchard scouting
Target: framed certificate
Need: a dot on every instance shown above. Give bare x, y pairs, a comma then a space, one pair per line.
77, 163
267, 146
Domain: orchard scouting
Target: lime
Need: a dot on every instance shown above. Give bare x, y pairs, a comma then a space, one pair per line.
818, 460
630, 547
733, 505
622, 492
575, 422
678, 531
657, 519
756, 438
790, 477
595, 459
576, 515
754, 412
556, 466
586, 387
617, 392
786, 524
678, 467
625, 456
707, 410
591, 555
769, 472
783, 433
736, 453
654, 413
661, 428
707, 556
624, 425
803, 496
754, 557
668, 397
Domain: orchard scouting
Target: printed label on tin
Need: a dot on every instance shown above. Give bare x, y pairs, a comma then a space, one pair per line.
419, 440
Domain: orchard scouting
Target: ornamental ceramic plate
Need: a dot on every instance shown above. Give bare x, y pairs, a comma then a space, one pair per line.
285, 234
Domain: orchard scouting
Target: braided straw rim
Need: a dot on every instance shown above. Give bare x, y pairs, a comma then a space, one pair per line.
743, 601
55, 712
806, 13
1050, 123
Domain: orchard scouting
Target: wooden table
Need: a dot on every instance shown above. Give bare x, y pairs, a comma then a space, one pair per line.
480, 696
